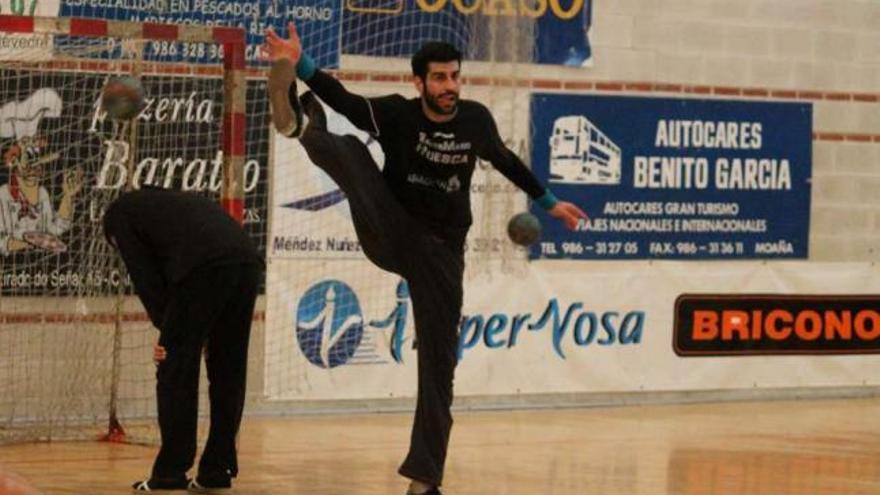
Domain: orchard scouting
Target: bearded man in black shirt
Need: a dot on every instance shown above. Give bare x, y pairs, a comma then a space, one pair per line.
411, 217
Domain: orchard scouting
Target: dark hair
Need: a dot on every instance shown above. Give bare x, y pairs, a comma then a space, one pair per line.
433, 51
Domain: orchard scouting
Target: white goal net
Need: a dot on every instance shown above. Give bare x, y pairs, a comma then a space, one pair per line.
76, 345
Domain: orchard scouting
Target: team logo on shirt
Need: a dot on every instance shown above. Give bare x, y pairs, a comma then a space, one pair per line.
450, 185
442, 148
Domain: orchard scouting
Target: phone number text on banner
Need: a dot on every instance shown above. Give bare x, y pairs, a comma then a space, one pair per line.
674, 178
318, 22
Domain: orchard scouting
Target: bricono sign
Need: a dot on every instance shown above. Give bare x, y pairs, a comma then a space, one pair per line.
712, 325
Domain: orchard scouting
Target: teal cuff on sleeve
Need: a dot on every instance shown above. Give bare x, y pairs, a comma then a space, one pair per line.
306, 67
548, 200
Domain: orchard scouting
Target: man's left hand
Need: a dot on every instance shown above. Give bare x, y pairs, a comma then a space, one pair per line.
275, 47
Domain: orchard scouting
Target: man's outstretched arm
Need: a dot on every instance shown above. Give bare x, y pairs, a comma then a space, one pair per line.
509, 164
354, 106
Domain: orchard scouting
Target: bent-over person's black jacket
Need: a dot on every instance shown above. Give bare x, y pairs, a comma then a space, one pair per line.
163, 235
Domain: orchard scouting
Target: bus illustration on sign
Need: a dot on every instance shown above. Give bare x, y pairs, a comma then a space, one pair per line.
580, 153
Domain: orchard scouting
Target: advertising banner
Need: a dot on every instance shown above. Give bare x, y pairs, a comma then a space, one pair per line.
348, 331
722, 324
674, 178
543, 32
318, 23
64, 161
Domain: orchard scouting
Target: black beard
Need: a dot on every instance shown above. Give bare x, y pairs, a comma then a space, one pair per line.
435, 107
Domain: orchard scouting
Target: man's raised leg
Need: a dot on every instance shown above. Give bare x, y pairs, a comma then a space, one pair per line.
382, 225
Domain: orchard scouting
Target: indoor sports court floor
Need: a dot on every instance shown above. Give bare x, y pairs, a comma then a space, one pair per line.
734, 448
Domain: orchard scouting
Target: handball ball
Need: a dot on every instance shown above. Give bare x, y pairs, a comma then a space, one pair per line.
123, 97
524, 229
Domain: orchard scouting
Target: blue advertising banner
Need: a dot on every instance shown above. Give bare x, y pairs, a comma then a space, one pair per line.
318, 22
540, 31
674, 178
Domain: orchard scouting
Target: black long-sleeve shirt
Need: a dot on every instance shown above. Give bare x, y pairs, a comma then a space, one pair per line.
164, 235
429, 165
